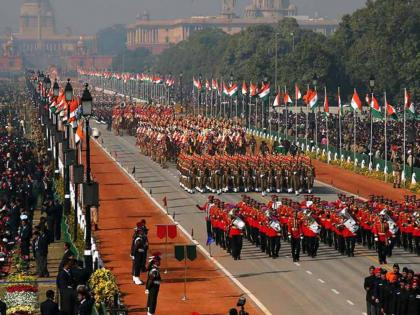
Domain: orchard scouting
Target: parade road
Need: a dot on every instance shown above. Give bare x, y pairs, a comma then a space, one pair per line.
327, 284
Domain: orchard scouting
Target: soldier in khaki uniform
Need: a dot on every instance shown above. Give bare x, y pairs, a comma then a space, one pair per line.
397, 169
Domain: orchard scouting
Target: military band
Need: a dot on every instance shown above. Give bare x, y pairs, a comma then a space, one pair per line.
378, 224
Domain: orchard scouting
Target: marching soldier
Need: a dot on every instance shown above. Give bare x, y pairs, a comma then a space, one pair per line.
235, 239
310, 177
397, 169
382, 234
295, 235
153, 284
295, 182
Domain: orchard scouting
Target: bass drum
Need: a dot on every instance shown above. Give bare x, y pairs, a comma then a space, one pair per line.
275, 225
239, 223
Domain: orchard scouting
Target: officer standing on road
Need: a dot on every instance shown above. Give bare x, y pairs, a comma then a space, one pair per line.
137, 254
153, 284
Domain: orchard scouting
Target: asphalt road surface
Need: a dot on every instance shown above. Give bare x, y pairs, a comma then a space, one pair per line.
327, 284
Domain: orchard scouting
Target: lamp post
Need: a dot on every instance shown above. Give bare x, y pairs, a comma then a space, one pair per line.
87, 113
231, 98
68, 94
200, 78
315, 83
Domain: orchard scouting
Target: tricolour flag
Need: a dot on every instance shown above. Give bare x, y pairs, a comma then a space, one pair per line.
244, 88
265, 91
214, 84
311, 98
376, 109
197, 84
340, 105
390, 111
286, 98
326, 104
276, 102
356, 104
232, 90
253, 90
408, 104
208, 87
79, 136
298, 95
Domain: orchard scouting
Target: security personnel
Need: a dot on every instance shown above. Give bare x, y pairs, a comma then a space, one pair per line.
153, 284
137, 254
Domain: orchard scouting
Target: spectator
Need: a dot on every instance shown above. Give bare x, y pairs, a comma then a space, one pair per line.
41, 253
86, 302
68, 254
49, 307
65, 284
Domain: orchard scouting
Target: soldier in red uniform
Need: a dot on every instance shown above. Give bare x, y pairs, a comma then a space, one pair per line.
382, 235
295, 235
206, 208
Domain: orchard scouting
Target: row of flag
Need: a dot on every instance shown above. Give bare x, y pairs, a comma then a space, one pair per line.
58, 106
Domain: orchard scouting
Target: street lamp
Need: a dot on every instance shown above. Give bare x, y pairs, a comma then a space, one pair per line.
47, 82
315, 80
200, 78
56, 88
68, 91
372, 82
86, 102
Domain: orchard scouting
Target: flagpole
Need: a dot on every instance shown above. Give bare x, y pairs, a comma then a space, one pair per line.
256, 113
404, 137
385, 143
371, 135
249, 110
316, 128
307, 123
354, 137
285, 91
206, 100
296, 117
339, 123
326, 125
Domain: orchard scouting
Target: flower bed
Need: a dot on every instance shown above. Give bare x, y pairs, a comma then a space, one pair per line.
21, 298
104, 286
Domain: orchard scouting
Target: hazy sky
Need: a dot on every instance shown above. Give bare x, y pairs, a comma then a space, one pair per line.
87, 16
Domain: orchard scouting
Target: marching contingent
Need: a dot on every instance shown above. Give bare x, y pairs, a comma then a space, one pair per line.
379, 224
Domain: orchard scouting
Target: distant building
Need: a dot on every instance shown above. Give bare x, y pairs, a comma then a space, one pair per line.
38, 42
158, 35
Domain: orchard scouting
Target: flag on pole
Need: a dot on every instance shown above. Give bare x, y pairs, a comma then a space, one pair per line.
232, 90
197, 84
276, 102
356, 104
253, 89
376, 109
298, 95
265, 91
367, 99
409, 105
214, 84
311, 98
244, 88
340, 105
326, 104
79, 136
286, 98
390, 111
208, 87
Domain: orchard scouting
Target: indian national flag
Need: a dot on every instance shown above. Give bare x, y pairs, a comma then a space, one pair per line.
244, 88
286, 98
79, 136
408, 105
197, 84
253, 90
390, 111
376, 109
326, 104
356, 104
208, 87
298, 95
311, 98
265, 91
340, 105
276, 102
230, 91
214, 84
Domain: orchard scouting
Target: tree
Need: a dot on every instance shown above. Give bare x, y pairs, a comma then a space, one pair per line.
111, 40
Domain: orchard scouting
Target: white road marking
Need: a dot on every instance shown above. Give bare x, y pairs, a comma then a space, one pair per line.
335, 291
187, 234
308, 272
320, 280
350, 302
364, 313
297, 264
